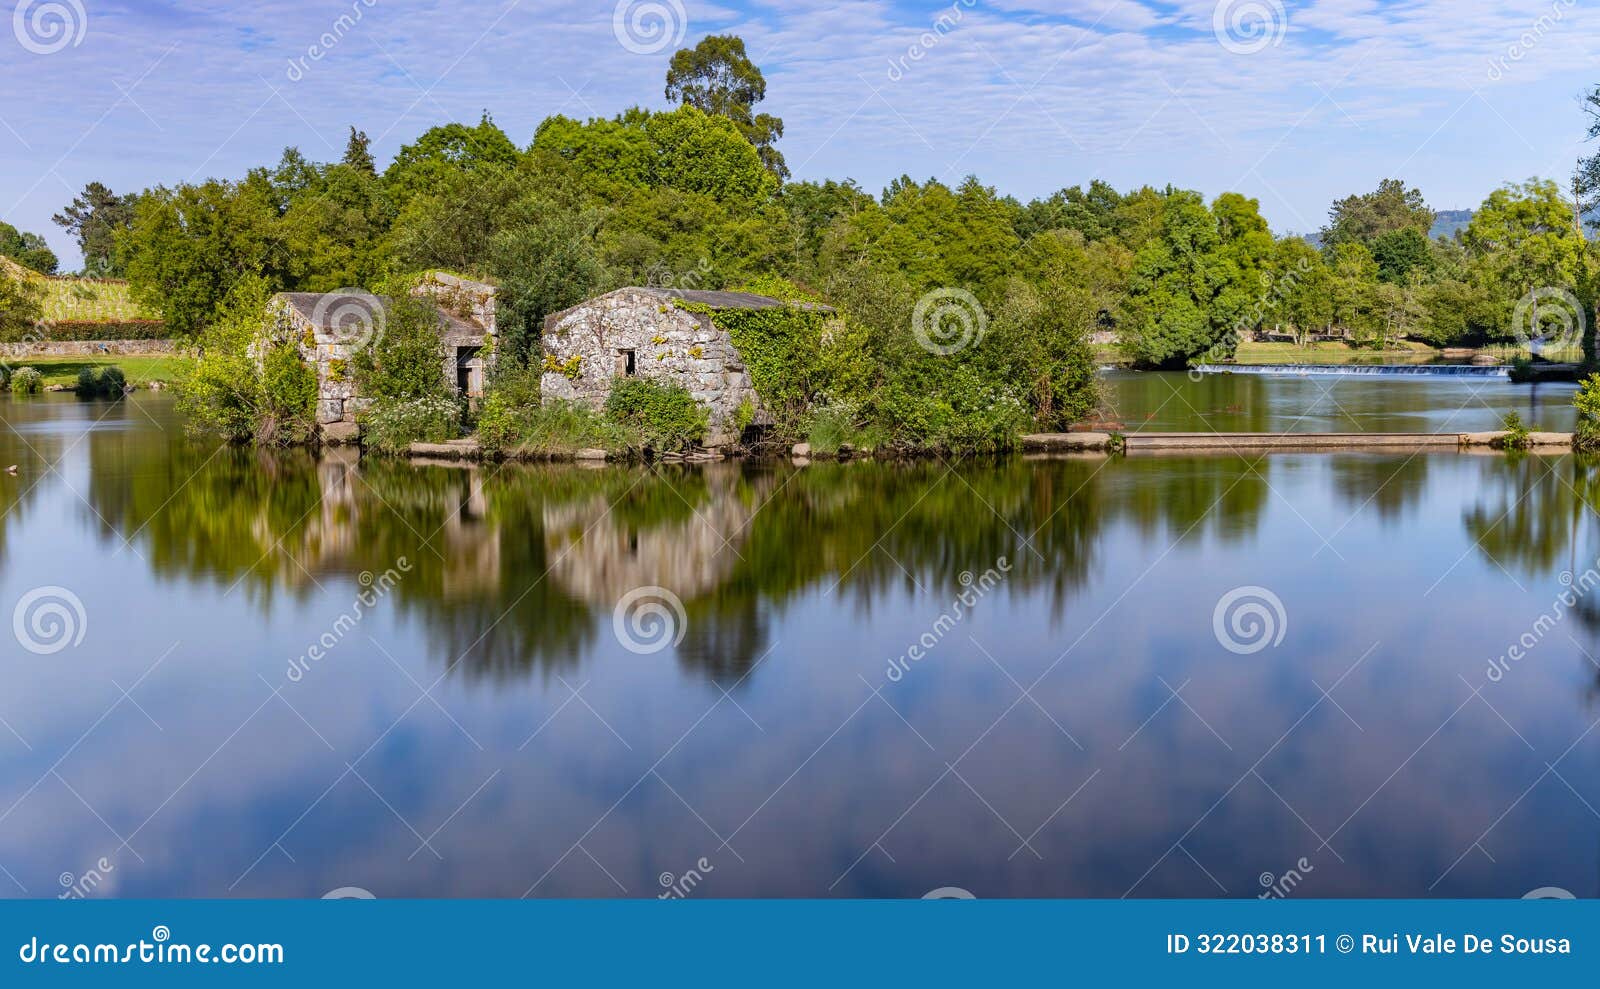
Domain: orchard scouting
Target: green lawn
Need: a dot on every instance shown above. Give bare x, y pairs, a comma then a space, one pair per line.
140, 370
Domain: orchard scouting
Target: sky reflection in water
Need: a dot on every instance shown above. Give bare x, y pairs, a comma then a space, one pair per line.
1079, 732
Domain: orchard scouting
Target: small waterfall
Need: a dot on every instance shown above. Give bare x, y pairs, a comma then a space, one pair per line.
1412, 370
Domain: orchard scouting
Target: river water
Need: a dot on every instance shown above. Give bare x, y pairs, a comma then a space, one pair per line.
1141, 676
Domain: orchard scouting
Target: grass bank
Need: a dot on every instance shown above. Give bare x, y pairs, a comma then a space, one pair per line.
140, 370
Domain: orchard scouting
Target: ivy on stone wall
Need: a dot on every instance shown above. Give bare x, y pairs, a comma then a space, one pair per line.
782, 349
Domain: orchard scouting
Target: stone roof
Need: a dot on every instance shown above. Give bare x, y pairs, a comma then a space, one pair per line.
724, 300
321, 308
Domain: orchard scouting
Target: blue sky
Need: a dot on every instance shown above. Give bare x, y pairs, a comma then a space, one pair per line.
1294, 103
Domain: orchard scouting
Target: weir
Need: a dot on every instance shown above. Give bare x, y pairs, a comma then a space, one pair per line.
1413, 370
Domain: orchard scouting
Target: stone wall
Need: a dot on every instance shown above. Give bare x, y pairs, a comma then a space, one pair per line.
88, 348
467, 299
328, 352
669, 345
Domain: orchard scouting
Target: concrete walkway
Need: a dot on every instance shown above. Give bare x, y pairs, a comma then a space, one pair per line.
1142, 442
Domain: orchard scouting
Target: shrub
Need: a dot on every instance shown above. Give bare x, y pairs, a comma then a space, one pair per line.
249, 382
391, 425
1517, 432
666, 416
405, 358
5, 376
129, 329
27, 381
102, 382
1587, 402
512, 417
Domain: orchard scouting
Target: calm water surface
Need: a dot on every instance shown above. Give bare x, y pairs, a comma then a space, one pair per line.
1080, 727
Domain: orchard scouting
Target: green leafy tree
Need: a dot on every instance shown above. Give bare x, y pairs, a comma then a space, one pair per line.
93, 218
406, 360
716, 76
423, 165
27, 249
358, 153
20, 297
1522, 238
1402, 255
684, 149
1091, 212
1364, 218
250, 381
189, 246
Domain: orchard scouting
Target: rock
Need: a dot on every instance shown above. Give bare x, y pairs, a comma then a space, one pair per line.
716, 440
591, 453
801, 450
330, 410
447, 451
340, 433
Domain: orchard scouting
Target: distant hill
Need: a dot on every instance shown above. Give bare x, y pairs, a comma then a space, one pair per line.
1448, 222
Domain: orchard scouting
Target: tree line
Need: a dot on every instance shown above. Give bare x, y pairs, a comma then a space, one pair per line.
698, 196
